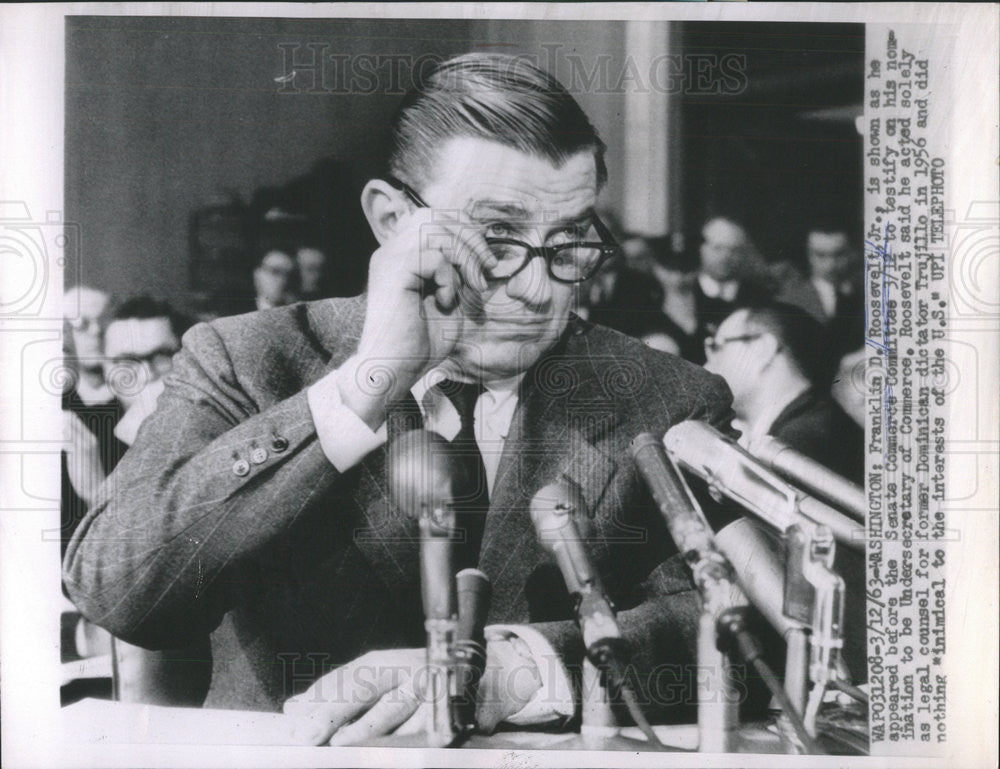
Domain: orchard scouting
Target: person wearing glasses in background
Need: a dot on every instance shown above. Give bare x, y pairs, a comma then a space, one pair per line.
255, 500
140, 342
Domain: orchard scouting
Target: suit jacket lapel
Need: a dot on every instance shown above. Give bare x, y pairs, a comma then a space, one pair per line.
552, 436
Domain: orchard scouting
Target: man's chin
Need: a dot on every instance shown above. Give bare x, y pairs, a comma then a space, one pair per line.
502, 359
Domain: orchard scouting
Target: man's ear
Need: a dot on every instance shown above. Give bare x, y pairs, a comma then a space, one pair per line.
384, 206
769, 348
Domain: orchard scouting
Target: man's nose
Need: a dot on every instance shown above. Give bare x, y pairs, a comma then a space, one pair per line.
532, 285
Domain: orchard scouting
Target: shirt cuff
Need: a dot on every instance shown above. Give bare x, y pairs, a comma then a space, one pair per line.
554, 699
344, 436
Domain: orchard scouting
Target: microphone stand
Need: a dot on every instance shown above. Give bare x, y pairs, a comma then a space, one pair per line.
421, 474
715, 578
814, 592
440, 623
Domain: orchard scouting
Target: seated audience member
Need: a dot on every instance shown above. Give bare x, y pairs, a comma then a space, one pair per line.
90, 411
831, 289
274, 280
139, 345
631, 300
776, 361
85, 313
729, 276
253, 505
312, 272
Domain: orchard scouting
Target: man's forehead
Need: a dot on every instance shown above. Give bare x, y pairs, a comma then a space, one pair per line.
136, 334
722, 230
827, 240
487, 178
734, 325
89, 301
277, 259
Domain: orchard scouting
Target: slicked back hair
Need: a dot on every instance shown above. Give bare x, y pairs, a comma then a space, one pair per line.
496, 97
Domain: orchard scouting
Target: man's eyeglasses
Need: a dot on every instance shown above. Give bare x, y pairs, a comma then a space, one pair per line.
714, 344
159, 359
573, 262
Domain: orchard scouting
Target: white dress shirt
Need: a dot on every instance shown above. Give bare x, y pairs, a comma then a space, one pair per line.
827, 293
346, 440
726, 290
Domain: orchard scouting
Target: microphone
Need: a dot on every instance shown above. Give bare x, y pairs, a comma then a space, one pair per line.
730, 470
713, 573
422, 470
470, 645
809, 474
724, 605
556, 513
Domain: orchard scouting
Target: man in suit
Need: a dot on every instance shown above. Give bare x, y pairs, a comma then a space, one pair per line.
831, 290
254, 506
776, 360
730, 275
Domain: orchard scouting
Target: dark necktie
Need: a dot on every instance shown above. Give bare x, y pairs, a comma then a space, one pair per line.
472, 500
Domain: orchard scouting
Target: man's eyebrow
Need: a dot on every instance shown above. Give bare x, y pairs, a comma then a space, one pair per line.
483, 209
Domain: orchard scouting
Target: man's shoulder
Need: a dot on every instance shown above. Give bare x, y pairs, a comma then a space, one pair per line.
323, 325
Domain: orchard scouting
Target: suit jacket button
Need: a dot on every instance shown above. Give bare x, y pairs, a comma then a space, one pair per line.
241, 467
279, 444
258, 456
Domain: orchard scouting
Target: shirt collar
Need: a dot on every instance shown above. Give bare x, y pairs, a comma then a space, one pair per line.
717, 289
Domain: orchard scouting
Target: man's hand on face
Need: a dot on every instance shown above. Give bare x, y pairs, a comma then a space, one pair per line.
382, 693
422, 284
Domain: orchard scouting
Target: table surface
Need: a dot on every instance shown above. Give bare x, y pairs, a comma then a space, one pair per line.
118, 723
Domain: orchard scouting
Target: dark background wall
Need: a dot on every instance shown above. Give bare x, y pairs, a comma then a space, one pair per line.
168, 115
784, 152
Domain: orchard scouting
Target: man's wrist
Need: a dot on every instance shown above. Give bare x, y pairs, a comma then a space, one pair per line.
366, 388
345, 437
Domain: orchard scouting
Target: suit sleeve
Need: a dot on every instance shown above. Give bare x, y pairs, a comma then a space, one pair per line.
660, 628
210, 482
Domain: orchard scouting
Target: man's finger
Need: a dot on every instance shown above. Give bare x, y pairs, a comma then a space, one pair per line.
445, 278
332, 701
473, 257
393, 709
417, 722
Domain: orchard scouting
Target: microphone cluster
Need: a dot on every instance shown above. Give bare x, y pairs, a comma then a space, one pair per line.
797, 592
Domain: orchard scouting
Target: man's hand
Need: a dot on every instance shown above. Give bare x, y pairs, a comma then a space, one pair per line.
422, 284
382, 693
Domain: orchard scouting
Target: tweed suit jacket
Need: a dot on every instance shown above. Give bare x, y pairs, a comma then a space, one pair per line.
295, 568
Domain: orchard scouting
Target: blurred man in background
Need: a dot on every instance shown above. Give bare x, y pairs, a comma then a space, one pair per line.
312, 269
728, 277
139, 345
776, 361
89, 410
830, 290
274, 280
84, 310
